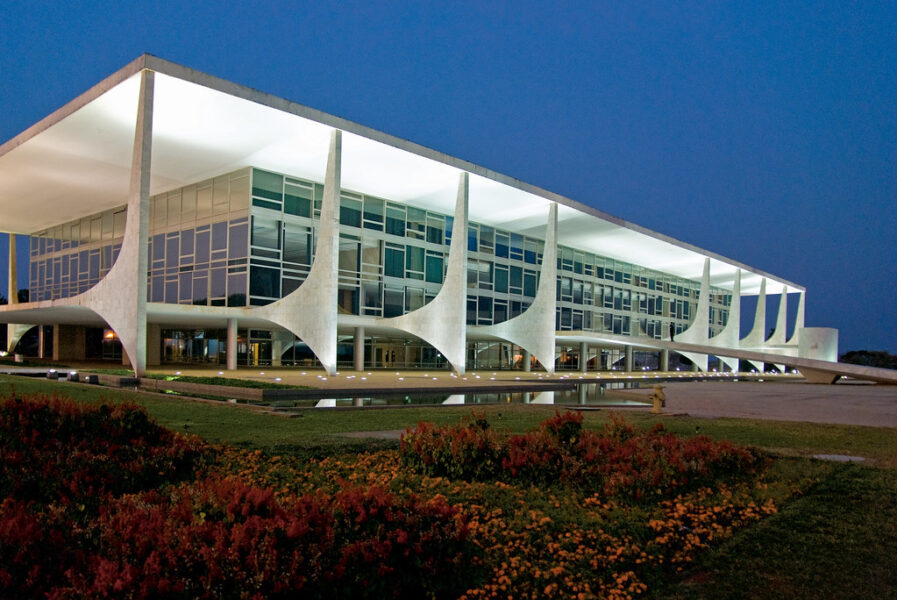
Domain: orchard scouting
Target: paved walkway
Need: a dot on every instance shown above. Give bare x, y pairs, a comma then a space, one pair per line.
844, 404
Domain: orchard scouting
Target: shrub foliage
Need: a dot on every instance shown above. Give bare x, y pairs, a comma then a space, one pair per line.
95, 505
619, 462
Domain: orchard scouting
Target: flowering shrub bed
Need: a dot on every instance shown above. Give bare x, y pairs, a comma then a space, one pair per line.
558, 512
620, 462
89, 525
55, 450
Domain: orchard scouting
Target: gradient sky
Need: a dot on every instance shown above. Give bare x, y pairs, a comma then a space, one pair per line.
765, 132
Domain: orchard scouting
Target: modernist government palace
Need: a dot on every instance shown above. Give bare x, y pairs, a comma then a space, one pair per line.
177, 217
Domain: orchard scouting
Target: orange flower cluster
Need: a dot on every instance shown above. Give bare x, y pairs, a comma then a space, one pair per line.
538, 542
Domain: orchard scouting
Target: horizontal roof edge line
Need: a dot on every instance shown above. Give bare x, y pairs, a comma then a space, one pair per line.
133, 67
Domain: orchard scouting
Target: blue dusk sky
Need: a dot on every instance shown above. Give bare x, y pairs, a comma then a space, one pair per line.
765, 132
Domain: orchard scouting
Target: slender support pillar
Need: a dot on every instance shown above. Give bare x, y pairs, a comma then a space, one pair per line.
153, 344
359, 349
276, 351
584, 357
120, 297
13, 296
310, 311
664, 360
798, 321
535, 328
780, 333
729, 336
14, 332
628, 364
757, 336
231, 344
40, 341
527, 361
698, 332
442, 322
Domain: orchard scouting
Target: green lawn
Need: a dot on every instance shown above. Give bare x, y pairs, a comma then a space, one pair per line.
837, 539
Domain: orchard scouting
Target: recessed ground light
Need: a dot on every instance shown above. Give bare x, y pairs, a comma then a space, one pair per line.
323, 379
277, 379
434, 379
221, 372
303, 373
364, 378
401, 379
177, 372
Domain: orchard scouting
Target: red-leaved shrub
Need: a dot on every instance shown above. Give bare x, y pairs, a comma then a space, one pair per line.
622, 461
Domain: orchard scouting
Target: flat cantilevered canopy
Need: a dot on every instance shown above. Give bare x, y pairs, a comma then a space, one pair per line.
76, 162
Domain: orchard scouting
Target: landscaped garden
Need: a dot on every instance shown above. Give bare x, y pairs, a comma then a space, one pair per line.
98, 500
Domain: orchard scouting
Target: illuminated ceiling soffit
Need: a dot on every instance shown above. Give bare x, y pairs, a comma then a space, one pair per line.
200, 132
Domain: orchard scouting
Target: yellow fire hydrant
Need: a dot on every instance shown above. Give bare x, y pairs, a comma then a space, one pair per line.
658, 399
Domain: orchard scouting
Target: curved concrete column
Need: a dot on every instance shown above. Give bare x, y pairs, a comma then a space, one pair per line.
798, 321
120, 297
534, 329
779, 334
442, 322
757, 335
697, 333
14, 331
729, 336
310, 311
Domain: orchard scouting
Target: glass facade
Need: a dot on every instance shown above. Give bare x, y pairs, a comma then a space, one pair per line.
247, 238
198, 247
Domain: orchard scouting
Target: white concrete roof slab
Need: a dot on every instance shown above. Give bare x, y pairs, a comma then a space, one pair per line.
75, 162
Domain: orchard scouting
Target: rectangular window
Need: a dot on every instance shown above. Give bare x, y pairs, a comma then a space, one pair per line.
265, 233
487, 239
263, 281
484, 310
516, 283
267, 185
501, 279
414, 262
296, 244
414, 298
516, 246
348, 254
434, 269
297, 200
393, 302
435, 228
394, 261
502, 244
529, 283
416, 227
500, 311
373, 213
371, 294
350, 212
395, 220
